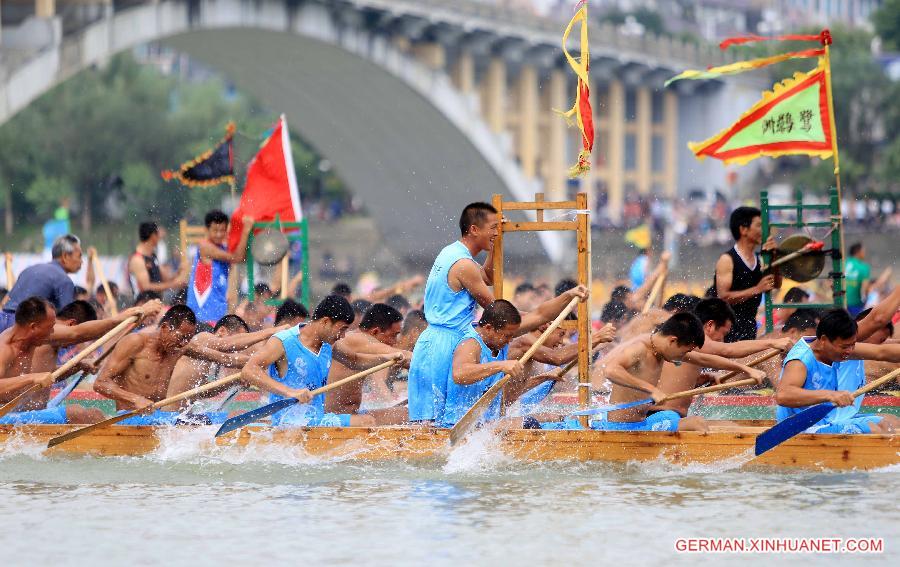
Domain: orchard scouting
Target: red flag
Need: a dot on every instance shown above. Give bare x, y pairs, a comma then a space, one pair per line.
271, 187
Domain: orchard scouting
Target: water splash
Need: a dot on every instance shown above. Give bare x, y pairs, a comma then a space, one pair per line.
662, 466
20, 444
480, 453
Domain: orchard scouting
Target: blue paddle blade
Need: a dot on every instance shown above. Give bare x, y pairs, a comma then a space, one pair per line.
67, 389
795, 425
252, 416
607, 409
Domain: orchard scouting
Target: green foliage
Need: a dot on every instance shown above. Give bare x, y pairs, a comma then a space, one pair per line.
887, 24
103, 136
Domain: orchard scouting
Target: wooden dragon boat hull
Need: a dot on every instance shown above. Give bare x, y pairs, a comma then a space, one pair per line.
730, 444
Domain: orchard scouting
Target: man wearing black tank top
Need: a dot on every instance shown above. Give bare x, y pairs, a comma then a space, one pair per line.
739, 279
143, 267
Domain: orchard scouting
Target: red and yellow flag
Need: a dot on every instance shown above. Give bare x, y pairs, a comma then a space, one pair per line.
581, 110
791, 119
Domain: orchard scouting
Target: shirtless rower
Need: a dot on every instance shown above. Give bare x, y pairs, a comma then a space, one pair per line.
634, 368
231, 334
717, 318
377, 334
138, 371
295, 361
76, 323
34, 321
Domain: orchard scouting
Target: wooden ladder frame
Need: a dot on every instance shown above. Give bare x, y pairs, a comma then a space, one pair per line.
581, 226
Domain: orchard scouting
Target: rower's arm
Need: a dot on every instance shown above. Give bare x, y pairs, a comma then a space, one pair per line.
887, 352
615, 369
109, 381
240, 341
255, 372
355, 360
880, 316
201, 352
548, 310
11, 387
720, 363
64, 335
741, 349
468, 369
790, 391
470, 276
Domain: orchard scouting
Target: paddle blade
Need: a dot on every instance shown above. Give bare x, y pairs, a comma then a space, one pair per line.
67, 389
790, 427
607, 409
252, 416
79, 432
14, 403
471, 418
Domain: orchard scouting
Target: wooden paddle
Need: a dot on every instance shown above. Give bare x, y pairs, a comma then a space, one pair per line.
687, 393
151, 408
468, 421
802, 421
655, 290
14, 403
98, 267
253, 416
10, 277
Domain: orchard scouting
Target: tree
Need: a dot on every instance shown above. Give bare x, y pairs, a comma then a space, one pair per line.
887, 24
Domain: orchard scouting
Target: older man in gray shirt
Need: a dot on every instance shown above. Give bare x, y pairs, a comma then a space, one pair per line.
50, 281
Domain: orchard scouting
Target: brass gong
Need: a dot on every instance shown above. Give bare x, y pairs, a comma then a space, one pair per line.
269, 247
803, 268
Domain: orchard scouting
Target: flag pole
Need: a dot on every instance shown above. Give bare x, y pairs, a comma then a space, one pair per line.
826, 43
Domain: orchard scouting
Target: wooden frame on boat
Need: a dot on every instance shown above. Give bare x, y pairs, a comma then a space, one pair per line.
581, 226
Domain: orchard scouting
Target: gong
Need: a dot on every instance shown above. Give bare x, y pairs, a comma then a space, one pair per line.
802, 268
269, 247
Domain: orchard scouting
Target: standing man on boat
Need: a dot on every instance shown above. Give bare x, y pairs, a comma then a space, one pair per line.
739, 279
828, 368
455, 285
144, 271
295, 361
208, 288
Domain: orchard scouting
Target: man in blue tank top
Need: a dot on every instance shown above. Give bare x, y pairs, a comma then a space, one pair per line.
295, 361
207, 292
827, 369
484, 354
455, 285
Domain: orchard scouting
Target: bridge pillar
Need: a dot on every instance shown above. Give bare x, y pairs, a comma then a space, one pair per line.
644, 138
45, 8
554, 163
432, 54
670, 142
463, 72
616, 161
494, 94
528, 120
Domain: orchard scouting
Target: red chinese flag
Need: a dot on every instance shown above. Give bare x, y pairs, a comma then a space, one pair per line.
271, 187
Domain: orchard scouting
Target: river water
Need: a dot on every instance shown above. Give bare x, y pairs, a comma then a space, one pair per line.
181, 507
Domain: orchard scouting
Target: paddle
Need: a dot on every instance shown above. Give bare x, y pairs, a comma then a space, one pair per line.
152, 407
687, 393
14, 403
468, 421
802, 421
114, 309
253, 416
76, 380
654, 292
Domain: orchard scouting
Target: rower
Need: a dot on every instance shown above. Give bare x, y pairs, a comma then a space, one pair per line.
34, 321
820, 370
139, 370
456, 283
297, 360
208, 288
378, 333
231, 334
635, 367
483, 355
739, 279
717, 319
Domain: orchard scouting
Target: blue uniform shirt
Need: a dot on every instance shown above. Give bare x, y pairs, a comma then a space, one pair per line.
460, 398
305, 369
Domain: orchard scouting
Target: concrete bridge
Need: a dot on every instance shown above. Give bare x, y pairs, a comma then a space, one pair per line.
421, 105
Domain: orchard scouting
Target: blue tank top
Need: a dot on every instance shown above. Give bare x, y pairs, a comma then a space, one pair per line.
208, 289
444, 307
460, 398
848, 375
305, 369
